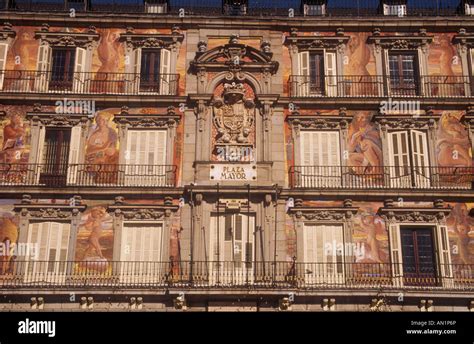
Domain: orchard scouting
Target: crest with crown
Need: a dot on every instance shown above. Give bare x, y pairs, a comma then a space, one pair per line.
234, 89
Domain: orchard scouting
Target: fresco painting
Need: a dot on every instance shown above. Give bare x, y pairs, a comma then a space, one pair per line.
9, 232
95, 240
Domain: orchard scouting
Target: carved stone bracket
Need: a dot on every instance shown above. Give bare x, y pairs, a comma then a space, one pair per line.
464, 40
158, 40
49, 211
164, 121
86, 39
414, 214
57, 120
266, 103
7, 32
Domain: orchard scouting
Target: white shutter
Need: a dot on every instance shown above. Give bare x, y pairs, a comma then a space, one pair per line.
396, 254
39, 153
79, 83
425, 86
146, 150
331, 74
165, 78
324, 262
43, 68
73, 162
399, 151
3, 62
387, 72
320, 158
133, 84
52, 238
444, 255
420, 158
303, 81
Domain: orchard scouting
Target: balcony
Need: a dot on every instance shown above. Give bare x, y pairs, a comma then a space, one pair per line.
87, 175
374, 86
30, 81
382, 177
228, 274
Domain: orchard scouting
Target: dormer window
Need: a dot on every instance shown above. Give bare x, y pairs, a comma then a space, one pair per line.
468, 8
235, 7
314, 7
394, 8
156, 6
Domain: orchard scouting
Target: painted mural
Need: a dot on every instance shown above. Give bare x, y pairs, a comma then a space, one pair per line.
15, 139
95, 240
364, 146
453, 147
9, 232
461, 233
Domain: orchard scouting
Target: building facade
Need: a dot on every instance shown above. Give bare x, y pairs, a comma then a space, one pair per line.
202, 156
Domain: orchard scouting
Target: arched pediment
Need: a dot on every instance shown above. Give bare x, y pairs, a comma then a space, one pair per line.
235, 56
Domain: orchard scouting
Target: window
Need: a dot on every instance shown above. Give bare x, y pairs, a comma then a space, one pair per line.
3, 62
60, 69
52, 241
235, 7
314, 10
395, 10
320, 159
145, 157
469, 9
420, 254
151, 71
57, 155
141, 248
153, 6
317, 74
403, 74
232, 250
323, 253
409, 159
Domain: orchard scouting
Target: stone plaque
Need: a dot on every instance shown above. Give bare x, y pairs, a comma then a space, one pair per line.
234, 172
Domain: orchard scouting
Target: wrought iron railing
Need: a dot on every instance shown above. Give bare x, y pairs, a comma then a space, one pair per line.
437, 86
214, 274
104, 175
381, 177
31, 81
359, 8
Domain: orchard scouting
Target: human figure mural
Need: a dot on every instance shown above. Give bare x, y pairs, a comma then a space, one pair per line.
101, 150
452, 146
13, 140
8, 236
460, 225
365, 147
95, 239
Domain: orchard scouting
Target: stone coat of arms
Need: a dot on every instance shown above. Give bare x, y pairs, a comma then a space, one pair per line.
233, 115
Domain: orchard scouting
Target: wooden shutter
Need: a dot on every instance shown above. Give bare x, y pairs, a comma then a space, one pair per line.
331, 74
396, 252
43, 68
444, 255
420, 158
79, 81
3, 62
134, 76
165, 70
399, 151
147, 156
39, 153
387, 71
303, 78
74, 147
141, 242
424, 81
